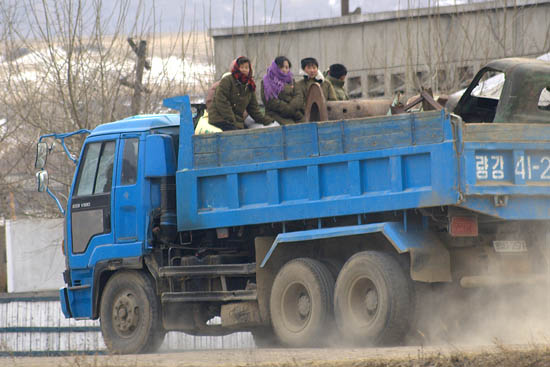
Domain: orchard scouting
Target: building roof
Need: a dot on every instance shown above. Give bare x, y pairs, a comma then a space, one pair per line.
137, 123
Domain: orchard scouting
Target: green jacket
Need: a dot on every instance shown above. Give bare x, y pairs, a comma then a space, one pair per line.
230, 101
338, 85
287, 108
302, 86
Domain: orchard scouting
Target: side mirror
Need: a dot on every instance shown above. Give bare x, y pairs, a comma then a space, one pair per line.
42, 180
41, 156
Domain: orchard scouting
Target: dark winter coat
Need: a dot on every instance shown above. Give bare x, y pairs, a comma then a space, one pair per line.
287, 108
230, 101
302, 87
338, 85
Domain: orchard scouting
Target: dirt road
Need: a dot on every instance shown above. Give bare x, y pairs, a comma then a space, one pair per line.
442, 356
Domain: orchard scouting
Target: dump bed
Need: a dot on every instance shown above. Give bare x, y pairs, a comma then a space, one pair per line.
315, 170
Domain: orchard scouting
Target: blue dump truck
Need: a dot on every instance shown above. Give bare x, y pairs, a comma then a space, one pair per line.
288, 231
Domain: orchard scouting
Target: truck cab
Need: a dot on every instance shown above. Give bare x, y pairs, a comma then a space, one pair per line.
508, 90
108, 216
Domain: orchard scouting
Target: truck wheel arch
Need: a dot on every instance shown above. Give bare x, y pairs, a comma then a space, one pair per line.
103, 271
429, 258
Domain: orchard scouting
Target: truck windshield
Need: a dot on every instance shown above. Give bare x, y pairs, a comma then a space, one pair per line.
490, 85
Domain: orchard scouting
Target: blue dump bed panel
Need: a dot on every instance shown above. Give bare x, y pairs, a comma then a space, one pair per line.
506, 169
316, 170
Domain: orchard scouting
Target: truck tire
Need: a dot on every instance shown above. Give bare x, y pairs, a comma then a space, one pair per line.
301, 302
130, 314
372, 300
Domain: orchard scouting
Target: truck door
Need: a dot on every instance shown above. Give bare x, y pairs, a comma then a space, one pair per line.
90, 216
89, 228
127, 194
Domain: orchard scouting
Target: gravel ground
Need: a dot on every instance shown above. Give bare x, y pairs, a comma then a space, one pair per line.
442, 356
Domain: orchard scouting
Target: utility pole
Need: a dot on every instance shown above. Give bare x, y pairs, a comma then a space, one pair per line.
137, 85
345, 7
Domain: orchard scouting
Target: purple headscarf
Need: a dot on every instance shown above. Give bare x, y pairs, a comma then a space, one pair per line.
274, 81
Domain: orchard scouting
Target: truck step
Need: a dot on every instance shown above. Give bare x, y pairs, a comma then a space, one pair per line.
221, 296
207, 270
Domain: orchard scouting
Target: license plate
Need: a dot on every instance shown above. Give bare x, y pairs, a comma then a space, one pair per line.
510, 246
503, 166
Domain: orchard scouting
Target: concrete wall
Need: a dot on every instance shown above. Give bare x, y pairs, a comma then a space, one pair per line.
440, 47
34, 258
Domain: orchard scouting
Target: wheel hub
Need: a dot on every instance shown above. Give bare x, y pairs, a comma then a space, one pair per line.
371, 301
304, 305
296, 307
125, 314
364, 301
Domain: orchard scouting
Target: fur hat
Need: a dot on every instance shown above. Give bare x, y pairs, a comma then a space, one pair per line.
337, 70
308, 60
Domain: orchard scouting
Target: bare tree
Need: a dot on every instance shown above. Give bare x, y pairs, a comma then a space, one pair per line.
61, 66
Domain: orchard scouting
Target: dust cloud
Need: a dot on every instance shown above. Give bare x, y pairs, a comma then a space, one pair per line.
482, 316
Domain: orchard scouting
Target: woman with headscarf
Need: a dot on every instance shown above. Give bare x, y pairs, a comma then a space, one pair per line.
281, 101
234, 95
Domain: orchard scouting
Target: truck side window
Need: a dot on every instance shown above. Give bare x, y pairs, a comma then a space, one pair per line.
104, 177
95, 176
129, 162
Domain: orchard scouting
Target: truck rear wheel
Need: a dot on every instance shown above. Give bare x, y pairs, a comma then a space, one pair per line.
372, 300
301, 302
130, 314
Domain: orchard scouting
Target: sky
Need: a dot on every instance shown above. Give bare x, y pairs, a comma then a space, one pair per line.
169, 16
196, 14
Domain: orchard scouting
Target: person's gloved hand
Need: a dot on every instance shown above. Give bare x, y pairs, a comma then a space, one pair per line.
249, 121
273, 124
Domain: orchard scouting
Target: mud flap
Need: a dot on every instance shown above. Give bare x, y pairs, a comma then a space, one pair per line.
430, 260
64, 300
264, 276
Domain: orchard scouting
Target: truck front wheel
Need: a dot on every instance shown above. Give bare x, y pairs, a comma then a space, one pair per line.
372, 300
130, 314
301, 302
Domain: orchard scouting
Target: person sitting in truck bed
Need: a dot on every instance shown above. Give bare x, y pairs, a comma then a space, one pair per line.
281, 101
311, 68
234, 95
336, 75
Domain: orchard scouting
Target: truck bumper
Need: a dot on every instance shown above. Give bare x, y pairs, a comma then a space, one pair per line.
65, 305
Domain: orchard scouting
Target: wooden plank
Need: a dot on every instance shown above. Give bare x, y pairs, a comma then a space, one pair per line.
258, 138
361, 143
205, 143
506, 132
330, 138
300, 141
251, 155
204, 160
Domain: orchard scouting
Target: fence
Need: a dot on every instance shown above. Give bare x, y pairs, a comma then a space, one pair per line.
33, 324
